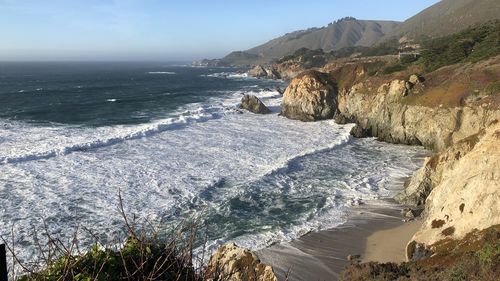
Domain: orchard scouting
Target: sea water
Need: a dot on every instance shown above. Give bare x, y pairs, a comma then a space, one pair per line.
173, 142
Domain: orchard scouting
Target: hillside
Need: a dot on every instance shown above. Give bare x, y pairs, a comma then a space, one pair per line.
447, 17
347, 32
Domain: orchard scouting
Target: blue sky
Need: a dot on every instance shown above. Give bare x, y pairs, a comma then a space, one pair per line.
168, 30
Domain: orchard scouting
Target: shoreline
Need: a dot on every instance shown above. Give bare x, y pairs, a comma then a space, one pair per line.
377, 233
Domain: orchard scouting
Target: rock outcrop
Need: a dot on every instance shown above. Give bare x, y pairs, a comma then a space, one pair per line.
381, 113
260, 71
467, 195
233, 263
310, 96
253, 104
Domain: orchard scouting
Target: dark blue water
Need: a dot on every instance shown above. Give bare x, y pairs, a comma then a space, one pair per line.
101, 94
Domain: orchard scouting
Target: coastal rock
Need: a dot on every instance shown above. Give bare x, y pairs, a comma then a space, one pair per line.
260, 71
310, 96
280, 91
382, 114
415, 79
466, 198
253, 104
430, 175
233, 263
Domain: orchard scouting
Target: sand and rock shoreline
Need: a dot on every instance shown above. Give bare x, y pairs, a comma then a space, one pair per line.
457, 186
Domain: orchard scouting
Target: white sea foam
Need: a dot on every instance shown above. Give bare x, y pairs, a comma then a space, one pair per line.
230, 75
162, 72
192, 164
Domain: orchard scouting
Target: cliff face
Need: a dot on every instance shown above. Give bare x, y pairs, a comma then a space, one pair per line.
383, 114
466, 196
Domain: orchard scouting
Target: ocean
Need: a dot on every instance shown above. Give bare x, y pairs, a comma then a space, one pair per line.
173, 141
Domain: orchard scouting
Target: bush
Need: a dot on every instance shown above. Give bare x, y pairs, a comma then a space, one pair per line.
394, 68
456, 273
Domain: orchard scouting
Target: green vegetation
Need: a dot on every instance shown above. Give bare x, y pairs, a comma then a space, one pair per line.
473, 44
493, 88
457, 273
489, 253
136, 260
145, 255
394, 68
308, 58
318, 58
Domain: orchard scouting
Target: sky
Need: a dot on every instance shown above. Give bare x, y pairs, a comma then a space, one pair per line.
166, 30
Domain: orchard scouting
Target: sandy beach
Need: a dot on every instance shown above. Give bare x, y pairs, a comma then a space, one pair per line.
377, 234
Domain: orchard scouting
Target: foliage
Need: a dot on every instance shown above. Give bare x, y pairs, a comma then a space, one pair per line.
489, 253
136, 260
473, 44
394, 68
457, 273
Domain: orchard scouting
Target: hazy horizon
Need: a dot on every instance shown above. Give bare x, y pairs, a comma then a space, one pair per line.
152, 30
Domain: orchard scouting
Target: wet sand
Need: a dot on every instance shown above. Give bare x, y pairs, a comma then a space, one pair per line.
375, 233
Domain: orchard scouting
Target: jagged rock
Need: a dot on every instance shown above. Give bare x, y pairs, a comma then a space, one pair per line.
260, 71
342, 120
466, 196
310, 96
253, 104
279, 90
423, 181
410, 213
416, 251
360, 132
233, 263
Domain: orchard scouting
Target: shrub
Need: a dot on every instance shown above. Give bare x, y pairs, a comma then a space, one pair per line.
456, 273
489, 253
473, 44
394, 68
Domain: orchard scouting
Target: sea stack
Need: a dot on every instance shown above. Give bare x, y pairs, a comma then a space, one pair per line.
311, 96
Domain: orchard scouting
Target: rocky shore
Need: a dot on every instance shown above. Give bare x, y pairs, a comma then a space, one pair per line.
458, 187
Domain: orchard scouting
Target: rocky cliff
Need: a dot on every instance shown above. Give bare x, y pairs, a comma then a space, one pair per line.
460, 183
467, 192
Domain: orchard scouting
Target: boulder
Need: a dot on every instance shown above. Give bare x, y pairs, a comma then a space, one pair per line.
415, 79
311, 96
253, 104
233, 263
